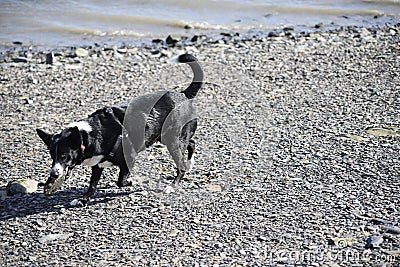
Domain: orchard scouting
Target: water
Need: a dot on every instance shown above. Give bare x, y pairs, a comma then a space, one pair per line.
50, 22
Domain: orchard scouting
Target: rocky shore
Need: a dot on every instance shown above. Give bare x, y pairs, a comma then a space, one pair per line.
297, 161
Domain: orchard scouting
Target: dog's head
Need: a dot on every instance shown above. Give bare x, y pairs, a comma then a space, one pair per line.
66, 151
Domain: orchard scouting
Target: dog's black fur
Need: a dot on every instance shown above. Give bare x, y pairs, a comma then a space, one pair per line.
96, 142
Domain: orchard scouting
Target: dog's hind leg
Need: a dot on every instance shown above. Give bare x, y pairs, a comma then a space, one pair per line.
191, 147
178, 177
177, 152
94, 180
188, 164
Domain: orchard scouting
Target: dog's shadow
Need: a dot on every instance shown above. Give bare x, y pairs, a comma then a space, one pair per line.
36, 203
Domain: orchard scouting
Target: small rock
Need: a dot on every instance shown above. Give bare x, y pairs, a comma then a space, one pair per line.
380, 132
286, 29
167, 54
273, 34
172, 39
80, 52
262, 238
17, 42
20, 59
391, 229
76, 202
364, 32
40, 222
21, 187
108, 48
49, 58
28, 101
195, 38
226, 34
32, 80
169, 189
392, 31
117, 55
374, 241
173, 233
380, 221
52, 237
137, 258
214, 188
122, 50
33, 258
319, 25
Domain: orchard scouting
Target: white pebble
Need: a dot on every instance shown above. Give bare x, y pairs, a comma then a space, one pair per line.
76, 202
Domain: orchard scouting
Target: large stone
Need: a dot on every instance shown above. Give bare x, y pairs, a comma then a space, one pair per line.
54, 237
80, 52
20, 59
23, 186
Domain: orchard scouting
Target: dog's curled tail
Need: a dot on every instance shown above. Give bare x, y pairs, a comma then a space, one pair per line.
198, 75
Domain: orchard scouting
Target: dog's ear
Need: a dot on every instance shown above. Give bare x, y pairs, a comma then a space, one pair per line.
75, 138
44, 136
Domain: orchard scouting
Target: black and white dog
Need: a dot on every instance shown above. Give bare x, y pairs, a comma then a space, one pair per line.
97, 141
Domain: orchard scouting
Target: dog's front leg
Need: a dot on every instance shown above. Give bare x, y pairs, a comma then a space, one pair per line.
94, 180
123, 176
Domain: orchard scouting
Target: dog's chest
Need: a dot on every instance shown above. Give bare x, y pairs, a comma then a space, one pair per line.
96, 160
93, 161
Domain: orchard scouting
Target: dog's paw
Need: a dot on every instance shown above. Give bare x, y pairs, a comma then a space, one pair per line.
78, 203
124, 183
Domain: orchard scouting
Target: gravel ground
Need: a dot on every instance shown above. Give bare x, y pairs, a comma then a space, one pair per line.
297, 161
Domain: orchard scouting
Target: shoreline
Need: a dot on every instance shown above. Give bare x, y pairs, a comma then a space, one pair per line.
20, 49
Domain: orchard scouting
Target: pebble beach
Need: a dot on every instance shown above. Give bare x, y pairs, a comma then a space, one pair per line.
297, 160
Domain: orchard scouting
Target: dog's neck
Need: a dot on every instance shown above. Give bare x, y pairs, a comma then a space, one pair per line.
85, 145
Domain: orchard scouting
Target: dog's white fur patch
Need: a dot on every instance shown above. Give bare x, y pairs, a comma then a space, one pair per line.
105, 164
58, 169
82, 126
93, 161
189, 164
